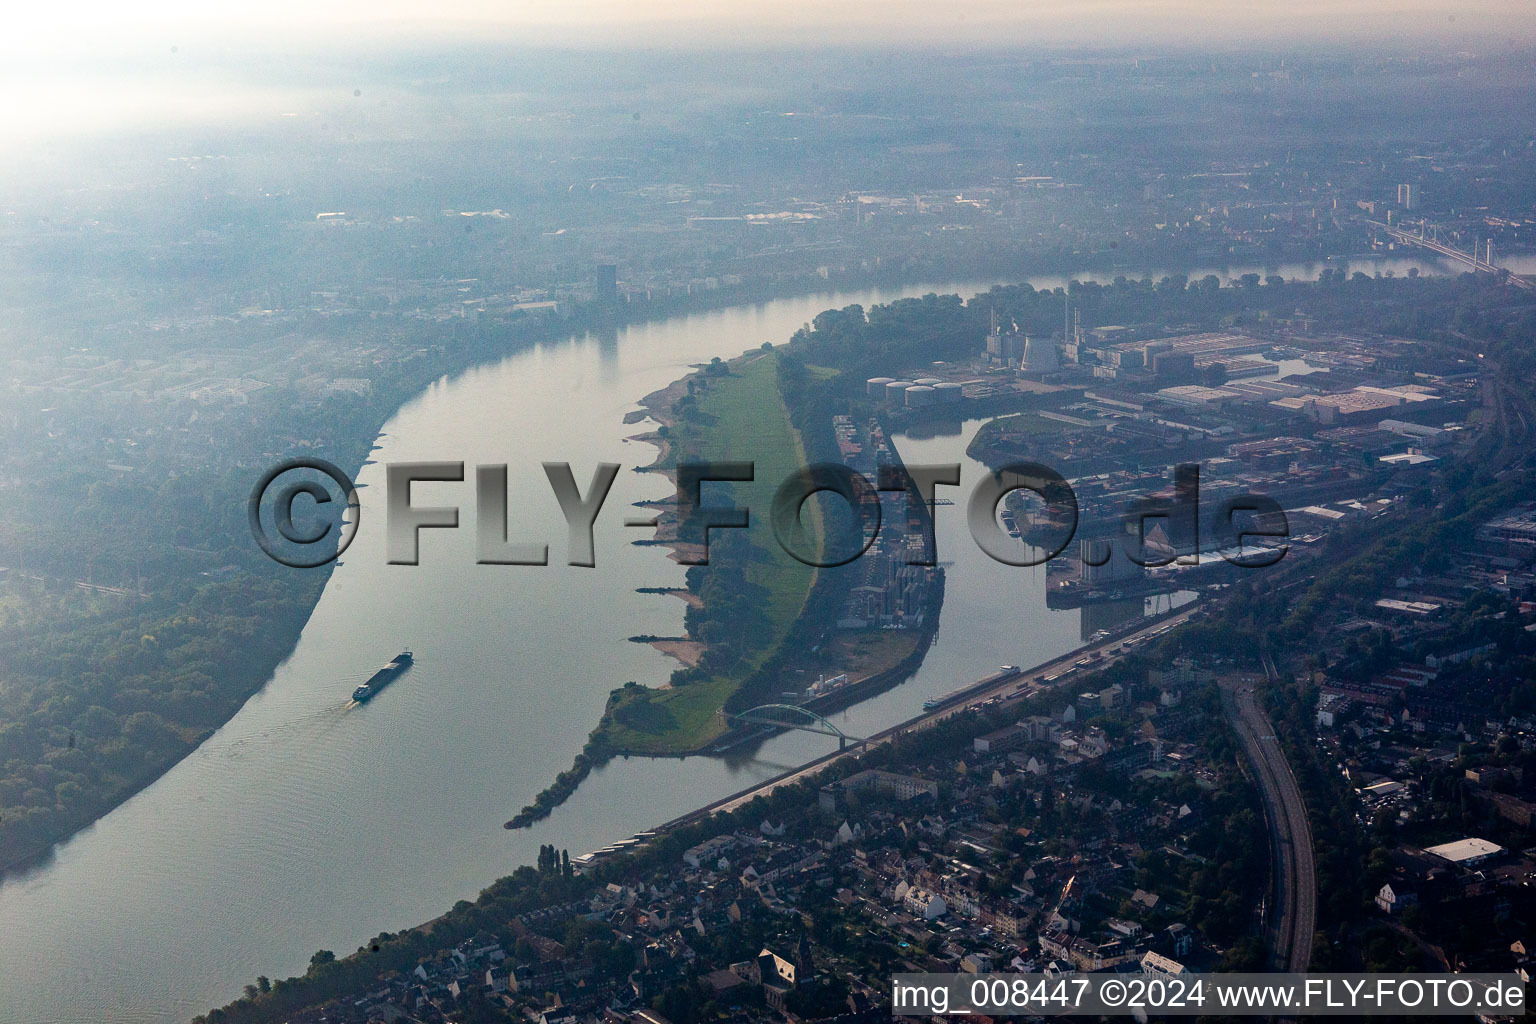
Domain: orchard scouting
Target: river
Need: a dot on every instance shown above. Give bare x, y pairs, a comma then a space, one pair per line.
306, 822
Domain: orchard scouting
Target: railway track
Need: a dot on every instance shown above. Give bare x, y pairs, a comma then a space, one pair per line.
1290, 832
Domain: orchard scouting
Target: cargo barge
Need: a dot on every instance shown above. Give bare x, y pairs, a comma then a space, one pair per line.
383, 677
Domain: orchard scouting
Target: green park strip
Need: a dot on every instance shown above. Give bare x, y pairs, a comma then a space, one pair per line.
736, 413
739, 416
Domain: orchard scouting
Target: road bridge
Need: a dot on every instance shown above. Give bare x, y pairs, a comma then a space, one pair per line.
792, 716
1468, 259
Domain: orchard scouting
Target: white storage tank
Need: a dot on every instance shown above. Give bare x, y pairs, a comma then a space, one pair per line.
896, 391
875, 386
927, 382
920, 395
948, 392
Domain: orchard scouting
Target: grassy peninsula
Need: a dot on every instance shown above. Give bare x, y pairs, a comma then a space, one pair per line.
745, 604
752, 592
760, 621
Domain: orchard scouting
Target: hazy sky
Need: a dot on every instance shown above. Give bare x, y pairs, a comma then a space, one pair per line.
85, 66
40, 26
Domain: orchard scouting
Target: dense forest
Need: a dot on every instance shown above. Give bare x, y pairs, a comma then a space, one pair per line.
103, 690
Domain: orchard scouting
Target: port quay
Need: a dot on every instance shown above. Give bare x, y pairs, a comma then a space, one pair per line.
1010, 682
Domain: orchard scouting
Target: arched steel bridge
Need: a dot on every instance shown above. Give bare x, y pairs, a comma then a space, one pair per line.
790, 716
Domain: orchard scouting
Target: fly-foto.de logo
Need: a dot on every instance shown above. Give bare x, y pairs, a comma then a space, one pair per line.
1250, 530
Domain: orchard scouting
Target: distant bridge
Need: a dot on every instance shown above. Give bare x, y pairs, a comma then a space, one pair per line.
790, 716
1431, 241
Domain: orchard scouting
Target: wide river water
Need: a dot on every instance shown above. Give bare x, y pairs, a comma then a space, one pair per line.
306, 823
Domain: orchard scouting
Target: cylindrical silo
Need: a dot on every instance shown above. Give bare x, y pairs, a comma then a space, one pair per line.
920, 395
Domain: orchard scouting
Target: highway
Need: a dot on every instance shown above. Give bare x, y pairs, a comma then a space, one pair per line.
1013, 686
1295, 875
